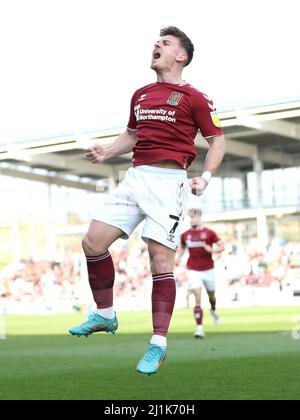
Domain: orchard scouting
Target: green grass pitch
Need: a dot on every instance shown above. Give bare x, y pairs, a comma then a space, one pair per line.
251, 356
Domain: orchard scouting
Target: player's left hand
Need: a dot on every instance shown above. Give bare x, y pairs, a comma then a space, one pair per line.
198, 186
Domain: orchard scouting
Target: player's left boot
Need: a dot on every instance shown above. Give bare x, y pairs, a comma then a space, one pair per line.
216, 317
95, 323
153, 359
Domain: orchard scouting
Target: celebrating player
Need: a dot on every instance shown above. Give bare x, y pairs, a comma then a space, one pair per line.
164, 120
202, 243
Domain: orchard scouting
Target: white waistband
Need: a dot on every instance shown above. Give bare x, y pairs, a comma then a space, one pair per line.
156, 169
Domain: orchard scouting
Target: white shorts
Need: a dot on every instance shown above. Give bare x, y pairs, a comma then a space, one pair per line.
200, 279
157, 196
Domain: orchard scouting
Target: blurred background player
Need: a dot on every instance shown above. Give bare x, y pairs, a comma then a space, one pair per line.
201, 243
165, 118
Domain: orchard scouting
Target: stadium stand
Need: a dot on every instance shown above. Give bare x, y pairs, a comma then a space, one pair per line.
243, 203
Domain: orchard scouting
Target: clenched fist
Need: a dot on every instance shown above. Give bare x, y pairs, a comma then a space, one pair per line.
96, 154
198, 186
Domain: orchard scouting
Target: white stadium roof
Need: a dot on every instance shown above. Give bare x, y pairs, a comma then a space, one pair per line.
267, 132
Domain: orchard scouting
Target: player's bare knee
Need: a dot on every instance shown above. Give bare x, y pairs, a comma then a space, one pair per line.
86, 245
90, 248
160, 263
211, 295
197, 294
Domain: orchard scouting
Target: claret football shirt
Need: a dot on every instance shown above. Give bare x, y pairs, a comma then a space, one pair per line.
167, 118
194, 241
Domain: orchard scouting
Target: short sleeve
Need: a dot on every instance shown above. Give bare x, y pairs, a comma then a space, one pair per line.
214, 238
206, 116
132, 123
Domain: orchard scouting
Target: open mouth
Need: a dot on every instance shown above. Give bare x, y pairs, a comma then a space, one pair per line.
156, 55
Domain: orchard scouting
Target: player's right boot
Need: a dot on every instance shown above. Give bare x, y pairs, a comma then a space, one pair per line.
95, 323
200, 332
152, 360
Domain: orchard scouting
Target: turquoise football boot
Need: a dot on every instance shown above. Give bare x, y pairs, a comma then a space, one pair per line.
152, 360
95, 323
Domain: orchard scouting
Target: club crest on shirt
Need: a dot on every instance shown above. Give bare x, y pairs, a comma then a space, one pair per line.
175, 98
203, 236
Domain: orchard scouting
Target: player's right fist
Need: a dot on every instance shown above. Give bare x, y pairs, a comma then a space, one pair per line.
96, 154
198, 186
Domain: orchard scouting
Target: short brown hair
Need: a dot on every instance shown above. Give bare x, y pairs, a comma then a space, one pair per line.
195, 212
185, 41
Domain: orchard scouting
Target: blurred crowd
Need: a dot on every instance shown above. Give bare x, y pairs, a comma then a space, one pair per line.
279, 264
51, 281
34, 280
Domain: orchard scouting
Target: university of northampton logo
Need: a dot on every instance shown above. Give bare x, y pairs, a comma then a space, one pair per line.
175, 98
